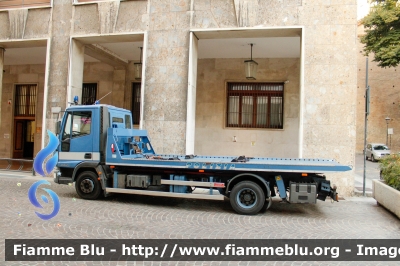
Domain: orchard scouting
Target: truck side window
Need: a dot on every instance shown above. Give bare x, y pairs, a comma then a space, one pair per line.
118, 122
82, 121
77, 124
128, 122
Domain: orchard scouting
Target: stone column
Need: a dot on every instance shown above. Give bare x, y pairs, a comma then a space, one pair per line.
165, 94
330, 86
58, 64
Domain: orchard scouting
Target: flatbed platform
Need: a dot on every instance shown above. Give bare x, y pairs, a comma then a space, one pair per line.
240, 163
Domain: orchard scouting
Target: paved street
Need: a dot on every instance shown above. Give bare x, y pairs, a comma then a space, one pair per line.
140, 217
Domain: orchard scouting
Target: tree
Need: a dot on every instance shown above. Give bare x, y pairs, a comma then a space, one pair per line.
382, 28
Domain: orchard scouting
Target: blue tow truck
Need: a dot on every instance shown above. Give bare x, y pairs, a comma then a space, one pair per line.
103, 154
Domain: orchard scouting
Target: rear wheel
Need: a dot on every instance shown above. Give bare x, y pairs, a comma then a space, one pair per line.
247, 198
88, 186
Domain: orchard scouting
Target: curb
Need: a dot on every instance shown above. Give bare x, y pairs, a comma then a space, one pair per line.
359, 193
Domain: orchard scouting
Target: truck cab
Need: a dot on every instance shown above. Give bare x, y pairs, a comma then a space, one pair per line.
82, 134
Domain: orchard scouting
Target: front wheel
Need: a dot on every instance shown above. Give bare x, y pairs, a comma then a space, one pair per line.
372, 158
247, 198
88, 186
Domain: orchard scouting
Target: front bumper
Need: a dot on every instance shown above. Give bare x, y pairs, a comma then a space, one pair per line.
380, 156
64, 180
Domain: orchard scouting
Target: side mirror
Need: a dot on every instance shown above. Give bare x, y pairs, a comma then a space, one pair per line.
58, 126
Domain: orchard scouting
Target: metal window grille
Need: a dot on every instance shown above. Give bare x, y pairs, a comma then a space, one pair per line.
255, 105
25, 100
136, 97
89, 93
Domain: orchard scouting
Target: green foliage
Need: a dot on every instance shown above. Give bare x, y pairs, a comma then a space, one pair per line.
382, 27
390, 170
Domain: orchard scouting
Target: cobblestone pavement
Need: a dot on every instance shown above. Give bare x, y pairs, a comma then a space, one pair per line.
140, 217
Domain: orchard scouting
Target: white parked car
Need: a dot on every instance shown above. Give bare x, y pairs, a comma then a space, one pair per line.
376, 151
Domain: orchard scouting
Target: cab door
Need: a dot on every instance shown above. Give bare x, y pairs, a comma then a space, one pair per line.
77, 137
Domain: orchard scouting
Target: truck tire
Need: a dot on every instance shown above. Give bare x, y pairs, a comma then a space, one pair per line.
88, 186
247, 198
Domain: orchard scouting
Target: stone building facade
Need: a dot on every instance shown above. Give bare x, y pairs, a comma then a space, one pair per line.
384, 102
184, 88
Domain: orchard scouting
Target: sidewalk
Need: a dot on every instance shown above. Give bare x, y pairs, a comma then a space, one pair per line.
21, 175
358, 186
372, 172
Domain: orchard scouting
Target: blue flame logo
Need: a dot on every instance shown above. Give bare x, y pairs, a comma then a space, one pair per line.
38, 166
35, 202
42, 155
